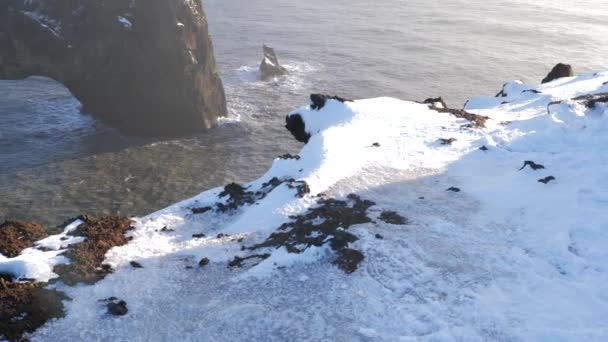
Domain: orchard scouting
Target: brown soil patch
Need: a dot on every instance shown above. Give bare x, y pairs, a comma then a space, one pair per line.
320, 225
326, 223
348, 260
25, 307
87, 257
16, 236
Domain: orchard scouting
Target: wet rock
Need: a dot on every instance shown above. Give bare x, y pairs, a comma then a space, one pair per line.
117, 307
128, 62
296, 126
87, 257
560, 70
546, 180
532, 165
203, 262
270, 66
318, 100
453, 189
447, 141
348, 259
392, 217
25, 307
135, 264
16, 236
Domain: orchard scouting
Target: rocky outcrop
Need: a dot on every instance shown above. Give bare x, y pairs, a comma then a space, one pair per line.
144, 66
270, 66
559, 71
295, 124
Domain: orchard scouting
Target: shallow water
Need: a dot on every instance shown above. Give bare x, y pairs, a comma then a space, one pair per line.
56, 163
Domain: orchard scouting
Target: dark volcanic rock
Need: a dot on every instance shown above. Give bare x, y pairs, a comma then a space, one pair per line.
16, 236
559, 71
532, 165
296, 126
117, 307
203, 262
546, 180
135, 264
270, 66
318, 100
146, 67
436, 102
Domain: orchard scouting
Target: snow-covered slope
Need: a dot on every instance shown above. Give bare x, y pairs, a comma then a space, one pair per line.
501, 256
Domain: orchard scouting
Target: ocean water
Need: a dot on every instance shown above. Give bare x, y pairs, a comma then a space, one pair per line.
56, 163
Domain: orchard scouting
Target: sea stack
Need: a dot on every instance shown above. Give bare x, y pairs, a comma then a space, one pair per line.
145, 67
560, 70
270, 66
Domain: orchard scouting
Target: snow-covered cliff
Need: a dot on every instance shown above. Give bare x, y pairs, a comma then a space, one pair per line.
397, 221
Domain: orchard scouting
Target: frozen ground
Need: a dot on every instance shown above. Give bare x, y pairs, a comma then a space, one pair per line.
507, 258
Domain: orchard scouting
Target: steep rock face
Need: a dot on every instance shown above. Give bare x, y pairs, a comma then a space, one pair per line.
270, 66
559, 70
144, 66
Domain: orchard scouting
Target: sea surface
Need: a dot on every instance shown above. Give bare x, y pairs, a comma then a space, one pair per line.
56, 163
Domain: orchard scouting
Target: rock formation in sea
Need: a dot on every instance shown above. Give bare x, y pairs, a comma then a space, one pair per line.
146, 67
270, 66
560, 70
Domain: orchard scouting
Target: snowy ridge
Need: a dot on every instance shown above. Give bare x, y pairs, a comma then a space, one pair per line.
506, 257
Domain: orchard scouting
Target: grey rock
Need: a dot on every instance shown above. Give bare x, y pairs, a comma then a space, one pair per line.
270, 66
559, 71
145, 67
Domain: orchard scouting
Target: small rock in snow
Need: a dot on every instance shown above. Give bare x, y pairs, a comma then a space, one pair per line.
546, 180
532, 165
447, 141
135, 264
117, 307
203, 262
